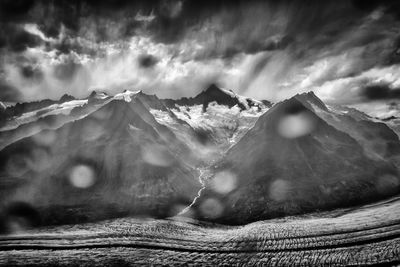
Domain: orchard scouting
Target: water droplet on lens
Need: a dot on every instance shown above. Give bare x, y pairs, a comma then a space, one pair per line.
296, 125
211, 208
279, 189
21, 216
40, 160
17, 165
224, 182
82, 176
156, 155
92, 131
45, 138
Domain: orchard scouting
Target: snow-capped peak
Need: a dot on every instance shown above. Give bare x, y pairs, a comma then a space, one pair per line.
126, 95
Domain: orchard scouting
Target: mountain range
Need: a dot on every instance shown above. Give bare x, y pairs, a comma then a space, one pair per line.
217, 157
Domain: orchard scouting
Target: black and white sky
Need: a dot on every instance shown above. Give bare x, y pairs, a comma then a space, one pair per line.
345, 51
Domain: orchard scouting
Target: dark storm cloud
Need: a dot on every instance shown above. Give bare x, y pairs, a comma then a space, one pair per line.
68, 45
393, 6
269, 44
67, 70
12, 36
393, 57
147, 61
16, 39
15, 10
110, 20
31, 72
50, 16
252, 47
380, 91
319, 20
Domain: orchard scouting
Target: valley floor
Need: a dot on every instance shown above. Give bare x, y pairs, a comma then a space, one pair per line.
360, 236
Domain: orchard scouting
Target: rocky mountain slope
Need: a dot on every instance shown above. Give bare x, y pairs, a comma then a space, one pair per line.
217, 156
301, 156
77, 160
115, 161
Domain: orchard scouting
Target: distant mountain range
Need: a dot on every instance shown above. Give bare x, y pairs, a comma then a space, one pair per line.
217, 156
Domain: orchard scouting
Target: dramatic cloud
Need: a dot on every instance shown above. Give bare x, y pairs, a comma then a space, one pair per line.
380, 91
262, 49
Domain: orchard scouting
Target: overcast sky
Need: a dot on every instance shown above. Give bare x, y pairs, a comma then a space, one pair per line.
345, 51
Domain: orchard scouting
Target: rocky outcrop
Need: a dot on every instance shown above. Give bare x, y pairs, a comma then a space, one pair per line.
220, 96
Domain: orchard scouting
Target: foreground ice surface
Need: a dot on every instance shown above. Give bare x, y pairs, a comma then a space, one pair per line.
359, 236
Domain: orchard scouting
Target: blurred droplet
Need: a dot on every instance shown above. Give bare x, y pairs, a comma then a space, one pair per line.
387, 184
40, 160
17, 165
17, 224
21, 216
45, 138
224, 182
279, 189
211, 208
325, 189
171, 9
92, 131
296, 125
156, 155
82, 176
3, 224
380, 147
102, 114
